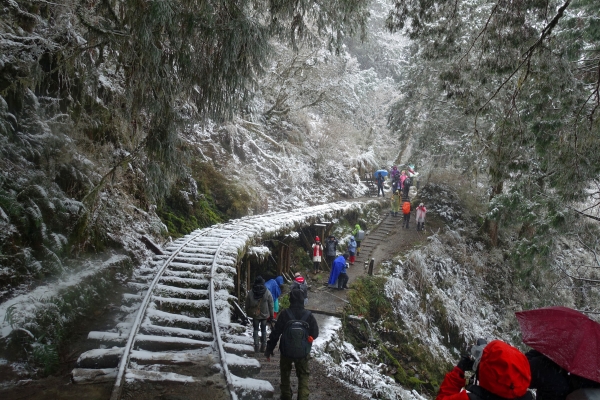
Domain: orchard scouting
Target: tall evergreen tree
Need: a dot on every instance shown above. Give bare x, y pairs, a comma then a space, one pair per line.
525, 74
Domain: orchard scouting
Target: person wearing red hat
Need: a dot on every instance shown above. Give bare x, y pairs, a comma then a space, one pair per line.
502, 373
300, 283
317, 253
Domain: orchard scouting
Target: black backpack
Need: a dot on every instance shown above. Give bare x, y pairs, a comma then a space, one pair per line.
407, 181
294, 340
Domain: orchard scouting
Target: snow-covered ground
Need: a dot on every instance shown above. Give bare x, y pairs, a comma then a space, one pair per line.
359, 375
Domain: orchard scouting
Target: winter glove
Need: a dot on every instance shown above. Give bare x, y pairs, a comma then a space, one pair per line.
466, 363
268, 354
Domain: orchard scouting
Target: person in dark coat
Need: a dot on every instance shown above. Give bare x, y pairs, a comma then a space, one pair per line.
296, 311
380, 178
343, 277
331, 250
259, 306
551, 381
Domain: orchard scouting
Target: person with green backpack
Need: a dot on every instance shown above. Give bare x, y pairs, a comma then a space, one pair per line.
297, 328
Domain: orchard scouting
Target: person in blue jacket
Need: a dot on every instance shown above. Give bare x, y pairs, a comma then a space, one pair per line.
338, 265
343, 278
274, 286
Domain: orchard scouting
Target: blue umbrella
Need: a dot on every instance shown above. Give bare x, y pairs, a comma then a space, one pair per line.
381, 172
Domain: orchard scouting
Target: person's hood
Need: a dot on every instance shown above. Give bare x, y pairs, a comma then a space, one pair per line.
504, 370
351, 237
296, 297
279, 280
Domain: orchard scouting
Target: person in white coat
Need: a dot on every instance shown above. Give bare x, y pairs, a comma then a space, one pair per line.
421, 211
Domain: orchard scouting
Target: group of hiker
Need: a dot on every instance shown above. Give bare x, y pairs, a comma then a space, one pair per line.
337, 264
406, 210
294, 328
400, 180
399, 200
500, 371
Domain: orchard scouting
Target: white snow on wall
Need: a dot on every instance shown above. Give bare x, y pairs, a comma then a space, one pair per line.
24, 305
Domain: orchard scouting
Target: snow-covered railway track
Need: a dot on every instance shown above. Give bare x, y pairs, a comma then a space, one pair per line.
180, 312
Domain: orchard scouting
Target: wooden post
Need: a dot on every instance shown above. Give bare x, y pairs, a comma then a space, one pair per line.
239, 279
280, 260
371, 266
248, 273
288, 259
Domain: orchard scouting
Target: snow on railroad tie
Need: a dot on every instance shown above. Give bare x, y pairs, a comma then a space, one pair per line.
184, 282
250, 388
167, 318
186, 293
152, 329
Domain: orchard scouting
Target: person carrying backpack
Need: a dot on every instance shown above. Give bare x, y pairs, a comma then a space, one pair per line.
406, 186
403, 177
355, 232
406, 212
259, 307
297, 328
501, 373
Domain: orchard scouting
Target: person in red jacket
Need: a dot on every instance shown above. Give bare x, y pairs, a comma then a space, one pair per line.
406, 212
502, 373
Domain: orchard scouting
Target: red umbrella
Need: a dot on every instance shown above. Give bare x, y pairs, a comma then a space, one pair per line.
567, 337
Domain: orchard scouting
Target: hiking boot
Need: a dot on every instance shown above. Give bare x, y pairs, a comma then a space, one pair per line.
263, 347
